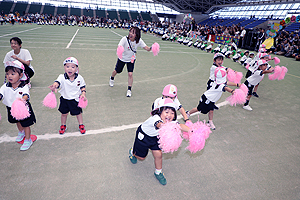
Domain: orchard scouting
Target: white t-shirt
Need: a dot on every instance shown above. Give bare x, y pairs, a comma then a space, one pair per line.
214, 94
256, 77
9, 94
128, 53
70, 89
24, 55
244, 58
176, 101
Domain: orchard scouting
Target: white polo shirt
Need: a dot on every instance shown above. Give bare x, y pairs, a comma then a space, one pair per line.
149, 126
70, 89
214, 94
9, 94
256, 77
128, 53
24, 55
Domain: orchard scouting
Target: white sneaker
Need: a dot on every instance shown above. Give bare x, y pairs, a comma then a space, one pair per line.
111, 82
211, 124
26, 145
128, 93
20, 136
247, 107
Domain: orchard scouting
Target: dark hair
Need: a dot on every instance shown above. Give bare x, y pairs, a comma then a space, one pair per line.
137, 33
18, 40
14, 69
159, 111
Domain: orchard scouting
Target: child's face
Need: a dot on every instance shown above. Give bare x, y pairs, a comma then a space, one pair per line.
219, 61
167, 115
13, 77
70, 69
132, 34
263, 67
173, 98
15, 45
251, 55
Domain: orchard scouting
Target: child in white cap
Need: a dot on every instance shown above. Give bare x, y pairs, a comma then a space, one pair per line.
16, 88
72, 87
146, 136
170, 91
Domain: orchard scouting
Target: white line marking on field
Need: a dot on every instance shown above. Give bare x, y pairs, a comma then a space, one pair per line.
20, 32
48, 136
72, 39
117, 33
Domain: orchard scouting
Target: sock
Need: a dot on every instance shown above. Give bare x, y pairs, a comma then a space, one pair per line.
158, 171
112, 78
247, 102
129, 87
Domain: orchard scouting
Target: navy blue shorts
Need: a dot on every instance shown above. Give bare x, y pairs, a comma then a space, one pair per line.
71, 106
143, 143
120, 66
25, 122
203, 107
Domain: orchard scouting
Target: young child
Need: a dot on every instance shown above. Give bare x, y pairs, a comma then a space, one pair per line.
237, 56
16, 88
212, 95
218, 62
249, 59
72, 87
245, 57
170, 91
146, 136
209, 47
130, 44
255, 78
217, 49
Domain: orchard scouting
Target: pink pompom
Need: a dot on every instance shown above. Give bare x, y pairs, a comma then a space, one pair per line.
50, 100
169, 137
238, 77
276, 60
120, 51
231, 75
244, 88
284, 70
276, 74
238, 97
198, 134
247, 66
155, 48
19, 110
82, 103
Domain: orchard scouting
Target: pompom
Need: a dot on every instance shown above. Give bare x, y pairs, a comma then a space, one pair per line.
169, 137
276, 74
198, 134
155, 48
238, 97
120, 51
244, 88
50, 100
238, 77
231, 75
82, 103
284, 70
19, 110
276, 60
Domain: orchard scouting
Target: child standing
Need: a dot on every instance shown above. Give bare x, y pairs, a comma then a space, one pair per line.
72, 87
16, 88
146, 136
170, 91
254, 80
130, 44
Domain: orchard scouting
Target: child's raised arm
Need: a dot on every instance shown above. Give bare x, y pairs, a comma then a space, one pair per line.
54, 87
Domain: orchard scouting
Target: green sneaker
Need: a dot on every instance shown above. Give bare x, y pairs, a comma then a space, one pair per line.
161, 178
132, 158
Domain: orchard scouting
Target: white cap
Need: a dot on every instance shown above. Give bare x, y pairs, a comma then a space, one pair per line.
19, 65
167, 102
71, 60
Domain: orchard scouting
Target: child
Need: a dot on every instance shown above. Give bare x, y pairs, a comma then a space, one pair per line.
209, 47
237, 56
249, 59
22, 55
217, 49
72, 87
170, 91
255, 78
130, 44
245, 57
212, 95
218, 62
146, 136
16, 88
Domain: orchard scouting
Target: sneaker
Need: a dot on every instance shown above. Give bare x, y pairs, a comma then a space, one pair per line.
26, 145
132, 158
82, 129
111, 82
211, 124
255, 94
20, 136
161, 178
128, 93
62, 129
188, 114
247, 107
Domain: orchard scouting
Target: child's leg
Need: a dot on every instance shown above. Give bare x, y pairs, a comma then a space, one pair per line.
63, 119
20, 127
157, 154
210, 115
193, 110
27, 132
79, 118
130, 79
114, 73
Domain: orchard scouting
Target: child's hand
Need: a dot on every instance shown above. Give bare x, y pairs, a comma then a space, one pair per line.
53, 88
83, 96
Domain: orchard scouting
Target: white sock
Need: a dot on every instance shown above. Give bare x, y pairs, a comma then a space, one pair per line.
158, 171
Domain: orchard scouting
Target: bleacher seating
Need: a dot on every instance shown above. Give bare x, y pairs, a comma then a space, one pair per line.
246, 22
134, 15
100, 13
255, 23
35, 8
75, 11
124, 14
112, 14
293, 27
146, 16
6, 6
62, 11
48, 9
21, 8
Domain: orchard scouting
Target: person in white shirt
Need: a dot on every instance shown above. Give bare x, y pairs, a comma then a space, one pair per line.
130, 44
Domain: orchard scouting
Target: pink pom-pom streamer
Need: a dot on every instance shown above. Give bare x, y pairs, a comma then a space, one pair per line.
231, 75
50, 100
82, 103
120, 51
155, 48
247, 66
276, 74
284, 70
169, 137
244, 88
198, 134
238, 77
19, 110
276, 60
238, 97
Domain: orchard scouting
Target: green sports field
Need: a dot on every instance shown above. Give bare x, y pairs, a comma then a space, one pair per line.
251, 154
